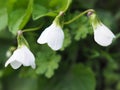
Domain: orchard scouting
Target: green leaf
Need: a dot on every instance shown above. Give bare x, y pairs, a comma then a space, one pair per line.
40, 8
81, 28
5, 34
21, 15
5, 44
47, 61
3, 15
78, 78
83, 4
3, 18
40, 11
1, 87
106, 17
67, 40
82, 32
21, 83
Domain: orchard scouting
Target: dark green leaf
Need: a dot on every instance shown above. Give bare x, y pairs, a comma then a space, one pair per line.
79, 78
21, 83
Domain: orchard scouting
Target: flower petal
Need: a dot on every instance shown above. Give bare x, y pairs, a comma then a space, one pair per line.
103, 36
56, 38
11, 59
26, 57
45, 35
29, 58
15, 64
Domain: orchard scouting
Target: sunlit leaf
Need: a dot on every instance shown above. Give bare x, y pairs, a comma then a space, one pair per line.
3, 15
52, 8
21, 13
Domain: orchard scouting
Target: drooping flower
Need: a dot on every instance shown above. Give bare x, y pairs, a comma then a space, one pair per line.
52, 35
21, 56
102, 34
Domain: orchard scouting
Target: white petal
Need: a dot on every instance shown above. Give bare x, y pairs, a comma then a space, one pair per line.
11, 59
53, 35
45, 34
56, 38
103, 36
26, 57
29, 58
15, 64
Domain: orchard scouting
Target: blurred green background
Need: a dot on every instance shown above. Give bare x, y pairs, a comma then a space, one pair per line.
80, 65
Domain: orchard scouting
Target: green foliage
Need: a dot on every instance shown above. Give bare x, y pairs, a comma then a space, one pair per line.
80, 64
3, 15
3, 18
78, 74
81, 28
21, 84
47, 61
67, 40
41, 9
5, 46
21, 14
89, 4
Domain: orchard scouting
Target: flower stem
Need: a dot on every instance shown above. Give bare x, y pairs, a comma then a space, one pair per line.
21, 40
32, 29
117, 36
78, 16
67, 6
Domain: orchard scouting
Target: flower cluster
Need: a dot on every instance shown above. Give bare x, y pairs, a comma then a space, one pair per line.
54, 37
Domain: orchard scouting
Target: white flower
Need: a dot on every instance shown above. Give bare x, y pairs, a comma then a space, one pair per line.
21, 56
53, 36
102, 35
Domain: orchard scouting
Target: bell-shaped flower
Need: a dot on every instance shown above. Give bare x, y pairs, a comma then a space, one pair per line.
103, 36
21, 56
53, 36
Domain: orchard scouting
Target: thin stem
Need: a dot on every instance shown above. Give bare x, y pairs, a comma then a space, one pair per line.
21, 40
68, 4
117, 36
32, 29
81, 14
